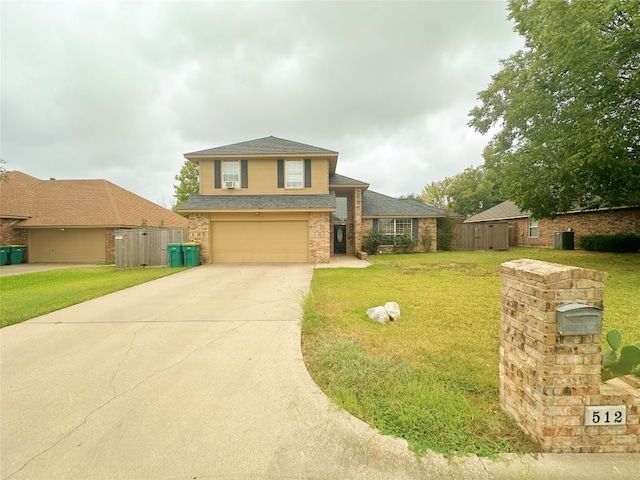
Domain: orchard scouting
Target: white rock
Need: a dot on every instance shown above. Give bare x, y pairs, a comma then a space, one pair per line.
378, 314
393, 309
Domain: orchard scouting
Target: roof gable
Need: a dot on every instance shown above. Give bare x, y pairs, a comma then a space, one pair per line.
268, 145
376, 204
83, 203
502, 211
336, 179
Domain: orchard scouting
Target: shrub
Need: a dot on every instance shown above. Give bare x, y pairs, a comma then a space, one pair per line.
404, 244
620, 360
426, 240
446, 231
620, 243
371, 241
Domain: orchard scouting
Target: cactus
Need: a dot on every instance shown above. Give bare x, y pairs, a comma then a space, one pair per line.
628, 361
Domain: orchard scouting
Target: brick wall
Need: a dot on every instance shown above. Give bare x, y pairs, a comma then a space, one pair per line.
320, 236
547, 380
110, 245
199, 225
604, 222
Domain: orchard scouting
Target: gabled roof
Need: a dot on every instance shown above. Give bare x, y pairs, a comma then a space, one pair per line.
79, 203
378, 205
268, 145
502, 211
336, 179
260, 202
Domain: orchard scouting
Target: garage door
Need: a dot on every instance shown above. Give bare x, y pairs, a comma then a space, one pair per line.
274, 241
67, 246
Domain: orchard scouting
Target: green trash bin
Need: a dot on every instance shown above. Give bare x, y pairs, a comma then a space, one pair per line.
175, 254
17, 254
5, 250
191, 253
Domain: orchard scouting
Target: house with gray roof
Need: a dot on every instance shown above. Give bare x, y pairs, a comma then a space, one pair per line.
275, 200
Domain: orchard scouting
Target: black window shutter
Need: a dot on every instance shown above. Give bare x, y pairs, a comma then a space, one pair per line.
414, 227
307, 173
280, 173
217, 177
244, 174
375, 224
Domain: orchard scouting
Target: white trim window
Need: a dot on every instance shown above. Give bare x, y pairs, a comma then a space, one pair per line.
390, 228
294, 174
533, 227
230, 173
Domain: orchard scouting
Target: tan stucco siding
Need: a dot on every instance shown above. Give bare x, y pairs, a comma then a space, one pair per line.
259, 238
69, 245
263, 179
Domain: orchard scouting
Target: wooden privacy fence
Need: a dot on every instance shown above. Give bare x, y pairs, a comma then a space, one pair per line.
481, 236
143, 247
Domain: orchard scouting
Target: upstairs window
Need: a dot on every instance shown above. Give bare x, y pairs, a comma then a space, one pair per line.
294, 174
231, 173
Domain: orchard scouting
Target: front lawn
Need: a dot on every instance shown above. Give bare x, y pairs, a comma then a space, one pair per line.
432, 378
27, 296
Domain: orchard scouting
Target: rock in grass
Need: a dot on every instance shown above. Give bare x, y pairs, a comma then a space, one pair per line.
393, 310
378, 314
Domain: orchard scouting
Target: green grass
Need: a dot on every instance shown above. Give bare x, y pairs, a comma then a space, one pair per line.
432, 377
27, 296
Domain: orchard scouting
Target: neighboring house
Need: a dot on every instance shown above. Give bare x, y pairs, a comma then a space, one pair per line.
528, 231
274, 200
73, 220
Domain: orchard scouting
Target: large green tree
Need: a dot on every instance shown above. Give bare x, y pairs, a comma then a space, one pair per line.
188, 182
469, 192
566, 108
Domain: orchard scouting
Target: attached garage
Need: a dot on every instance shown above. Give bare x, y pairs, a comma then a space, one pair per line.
67, 245
260, 239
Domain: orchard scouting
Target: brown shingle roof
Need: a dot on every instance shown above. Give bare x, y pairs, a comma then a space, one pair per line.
79, 203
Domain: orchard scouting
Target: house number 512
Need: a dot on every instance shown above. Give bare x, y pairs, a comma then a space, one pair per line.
609, 415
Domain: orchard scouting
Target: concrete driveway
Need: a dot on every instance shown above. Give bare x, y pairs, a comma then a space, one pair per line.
199, 375
196, 375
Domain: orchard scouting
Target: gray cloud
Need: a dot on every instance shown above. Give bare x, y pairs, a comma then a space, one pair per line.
121, 90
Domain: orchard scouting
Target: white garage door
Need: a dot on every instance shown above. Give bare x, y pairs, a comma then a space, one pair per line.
260, 241
71, 245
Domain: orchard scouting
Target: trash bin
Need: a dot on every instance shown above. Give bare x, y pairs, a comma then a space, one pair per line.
175, 254
191, 252
17, 253
564, 240
5, 250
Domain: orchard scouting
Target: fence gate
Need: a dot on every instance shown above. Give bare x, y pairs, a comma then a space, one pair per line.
482, 236
144, 247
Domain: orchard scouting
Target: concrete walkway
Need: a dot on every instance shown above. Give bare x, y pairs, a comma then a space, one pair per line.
199, 375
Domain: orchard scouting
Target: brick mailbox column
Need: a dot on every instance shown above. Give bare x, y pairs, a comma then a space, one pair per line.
547, 379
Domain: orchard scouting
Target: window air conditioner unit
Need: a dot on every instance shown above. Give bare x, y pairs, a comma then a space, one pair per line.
230, 184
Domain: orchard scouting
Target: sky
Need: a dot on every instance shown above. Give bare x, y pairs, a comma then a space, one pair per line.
122, 90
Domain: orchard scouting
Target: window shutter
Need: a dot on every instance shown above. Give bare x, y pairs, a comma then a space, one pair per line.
244, 174
375, 224
307, 173
280, 173
414, 227
217, 177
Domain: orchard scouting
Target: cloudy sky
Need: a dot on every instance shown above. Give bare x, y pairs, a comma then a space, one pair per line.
121, 90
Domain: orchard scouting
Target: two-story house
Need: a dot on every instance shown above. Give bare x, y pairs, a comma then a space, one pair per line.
274, 200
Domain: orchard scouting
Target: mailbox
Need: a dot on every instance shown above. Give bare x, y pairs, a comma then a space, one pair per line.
578, 319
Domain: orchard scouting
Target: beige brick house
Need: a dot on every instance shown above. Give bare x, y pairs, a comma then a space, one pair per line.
528, 231
275, 200
73, 220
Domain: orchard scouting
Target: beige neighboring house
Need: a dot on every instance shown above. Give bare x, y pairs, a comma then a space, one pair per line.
526, 230
275, 200
73, 221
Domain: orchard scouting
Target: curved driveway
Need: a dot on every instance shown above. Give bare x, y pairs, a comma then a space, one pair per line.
192, 376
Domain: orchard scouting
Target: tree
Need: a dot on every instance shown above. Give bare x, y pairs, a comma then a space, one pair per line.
189, 183
467, 193
567, 107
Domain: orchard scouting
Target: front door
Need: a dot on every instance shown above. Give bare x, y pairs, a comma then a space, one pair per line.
339, 239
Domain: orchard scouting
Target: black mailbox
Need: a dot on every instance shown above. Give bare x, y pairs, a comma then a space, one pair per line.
578, 319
